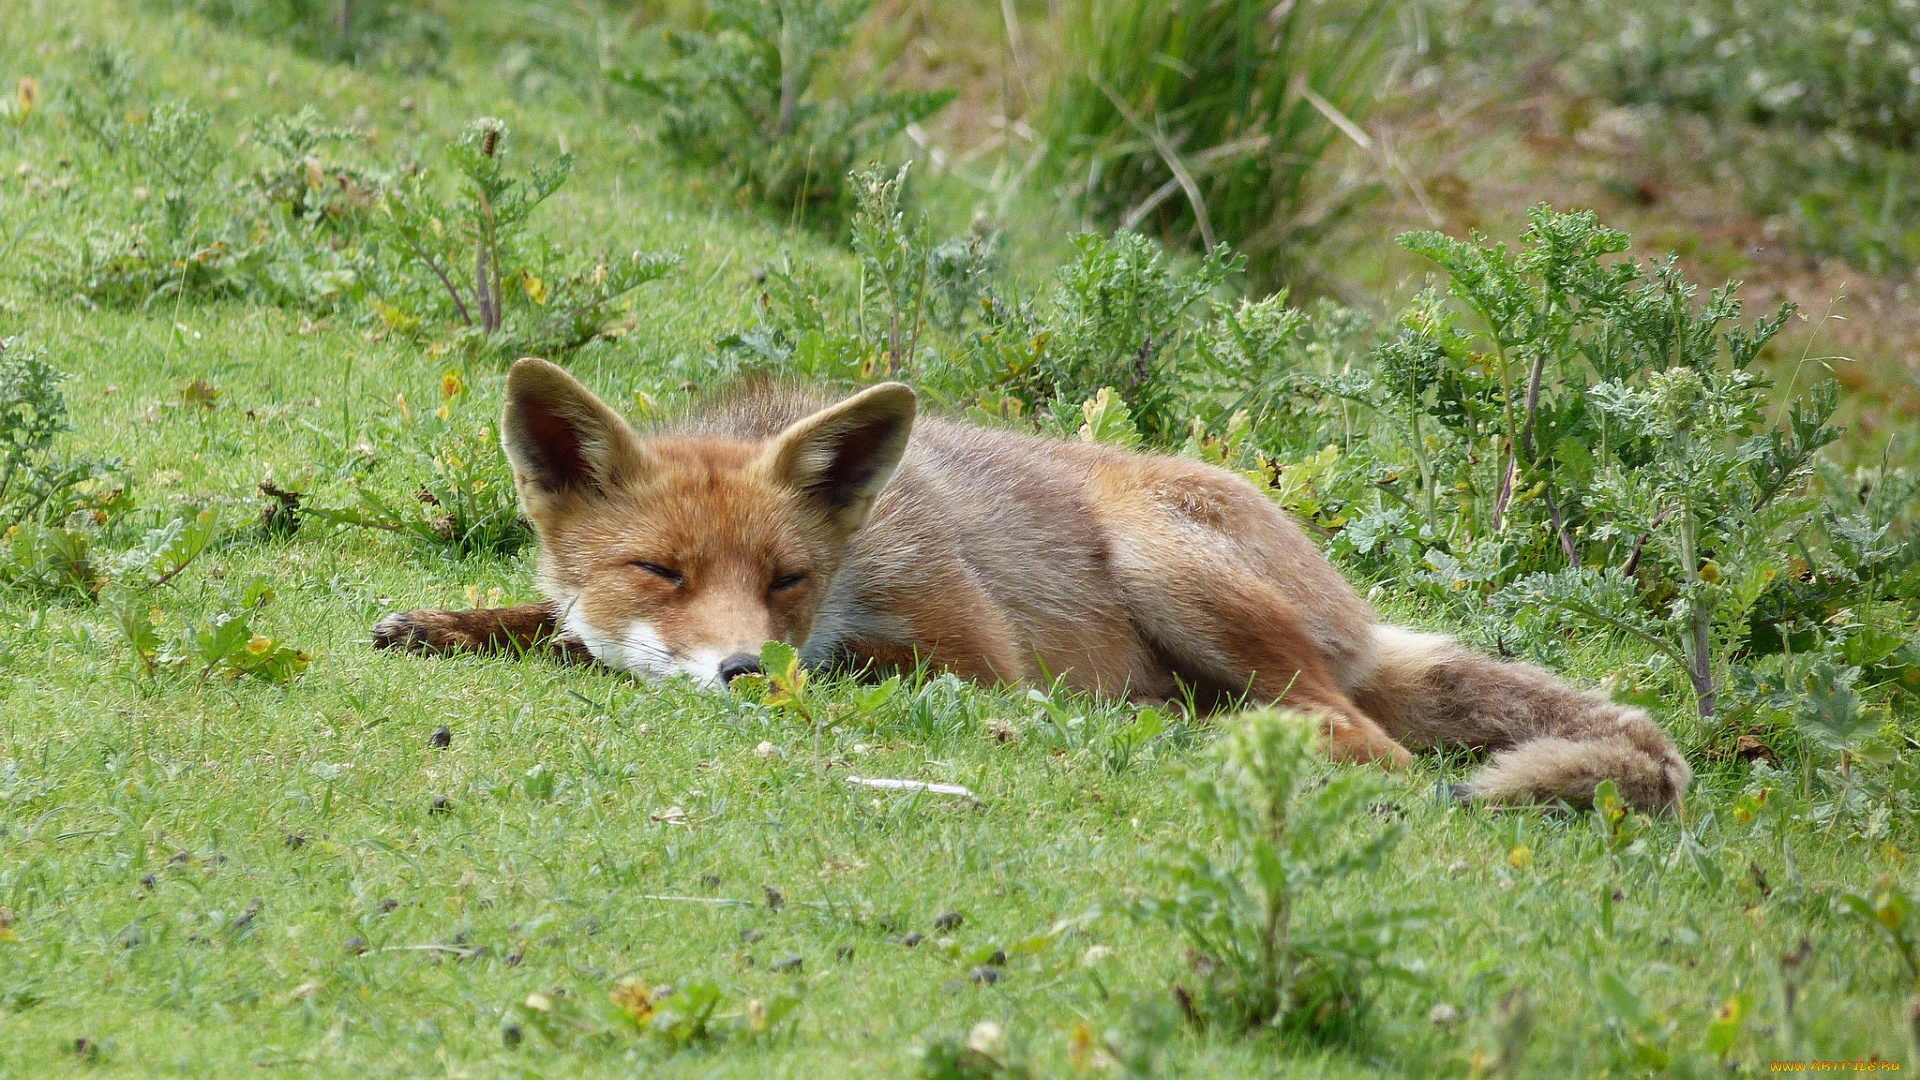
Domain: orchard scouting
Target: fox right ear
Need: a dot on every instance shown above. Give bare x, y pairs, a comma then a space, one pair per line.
561, 439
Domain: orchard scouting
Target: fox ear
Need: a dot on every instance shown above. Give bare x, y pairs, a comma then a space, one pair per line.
561, 439
842, 456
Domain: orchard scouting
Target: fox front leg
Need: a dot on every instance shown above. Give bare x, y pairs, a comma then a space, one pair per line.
516, 630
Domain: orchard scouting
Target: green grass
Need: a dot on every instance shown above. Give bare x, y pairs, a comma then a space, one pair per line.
141, 818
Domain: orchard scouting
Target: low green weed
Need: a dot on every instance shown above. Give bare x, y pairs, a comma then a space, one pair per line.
224, 644
309, 229
1894, 915
743, 96
1263, 951
1855, 770
461, 498
675, 1018
52, 506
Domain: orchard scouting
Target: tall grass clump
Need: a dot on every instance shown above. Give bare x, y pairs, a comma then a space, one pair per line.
1211, 120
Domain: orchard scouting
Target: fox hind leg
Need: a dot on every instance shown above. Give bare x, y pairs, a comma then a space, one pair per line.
1248, 632
1225, 628
1230, 595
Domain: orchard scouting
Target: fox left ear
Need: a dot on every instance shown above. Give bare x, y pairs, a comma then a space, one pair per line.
843, 455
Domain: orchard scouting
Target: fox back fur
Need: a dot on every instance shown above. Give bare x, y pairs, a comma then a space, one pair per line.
871, 540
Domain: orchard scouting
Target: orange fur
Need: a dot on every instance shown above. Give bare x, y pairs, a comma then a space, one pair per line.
872, 540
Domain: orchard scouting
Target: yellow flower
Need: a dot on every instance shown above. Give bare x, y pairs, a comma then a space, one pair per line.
634, 998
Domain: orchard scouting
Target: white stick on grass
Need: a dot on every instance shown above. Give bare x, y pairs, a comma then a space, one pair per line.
885, 784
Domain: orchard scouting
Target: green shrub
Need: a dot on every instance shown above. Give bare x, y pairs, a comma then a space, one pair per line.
470, 262
1207, 121
1264, 948
224, 644
1586, 424
742, 97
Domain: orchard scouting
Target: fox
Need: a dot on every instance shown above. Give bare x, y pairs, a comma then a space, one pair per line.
874, 540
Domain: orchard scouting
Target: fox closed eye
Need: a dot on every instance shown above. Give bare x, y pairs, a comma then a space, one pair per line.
673, 577
786, 582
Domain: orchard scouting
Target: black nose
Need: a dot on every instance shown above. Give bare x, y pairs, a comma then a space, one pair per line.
737, 665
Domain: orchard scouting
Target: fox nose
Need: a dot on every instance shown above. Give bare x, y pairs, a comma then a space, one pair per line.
737, 665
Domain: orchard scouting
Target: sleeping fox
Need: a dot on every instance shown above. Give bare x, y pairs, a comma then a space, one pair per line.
872, 541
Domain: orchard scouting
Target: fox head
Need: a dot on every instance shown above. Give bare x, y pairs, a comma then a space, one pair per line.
682, 554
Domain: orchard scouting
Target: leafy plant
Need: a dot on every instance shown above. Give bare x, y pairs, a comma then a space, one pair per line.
1593, 442
224, 644
1855, 769
895, 264
1264, 951
51, 506
462, 499
1890, 910
742, 96
1119, 313
1210, 122
197, 227
467, 261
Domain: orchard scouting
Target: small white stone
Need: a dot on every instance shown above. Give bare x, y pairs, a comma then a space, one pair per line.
1443, 1015
764, 750
987, 1038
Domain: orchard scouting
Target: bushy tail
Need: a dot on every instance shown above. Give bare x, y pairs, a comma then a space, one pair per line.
1547, 740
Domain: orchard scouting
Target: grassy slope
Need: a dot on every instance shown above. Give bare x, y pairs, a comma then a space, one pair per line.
106, 778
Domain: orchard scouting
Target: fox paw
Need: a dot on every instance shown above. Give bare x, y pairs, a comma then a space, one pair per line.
419, 632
